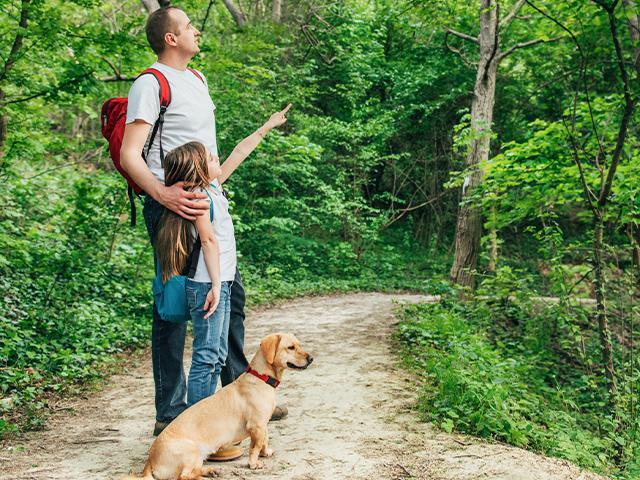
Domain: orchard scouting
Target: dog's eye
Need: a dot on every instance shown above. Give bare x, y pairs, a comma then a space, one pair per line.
292, 347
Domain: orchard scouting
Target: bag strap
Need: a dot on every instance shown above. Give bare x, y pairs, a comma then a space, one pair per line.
191, 264
165, 100
197, 74
132, 204
210, 205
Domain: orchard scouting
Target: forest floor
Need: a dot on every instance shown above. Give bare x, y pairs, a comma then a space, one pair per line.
351, 413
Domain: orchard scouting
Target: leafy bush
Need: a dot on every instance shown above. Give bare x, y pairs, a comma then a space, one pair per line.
508, 369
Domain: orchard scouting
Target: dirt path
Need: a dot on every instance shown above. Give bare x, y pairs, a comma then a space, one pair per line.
350, 414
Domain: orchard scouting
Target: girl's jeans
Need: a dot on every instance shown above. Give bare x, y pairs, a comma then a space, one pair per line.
210, 340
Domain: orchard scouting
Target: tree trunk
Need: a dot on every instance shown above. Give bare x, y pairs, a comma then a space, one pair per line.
493, 239
151, 5
634, 29
276, 11
3, 129
8, 66
469, 224
633, 235
601, 307
237, 15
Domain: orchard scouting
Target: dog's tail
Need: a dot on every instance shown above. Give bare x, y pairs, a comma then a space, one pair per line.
146, 474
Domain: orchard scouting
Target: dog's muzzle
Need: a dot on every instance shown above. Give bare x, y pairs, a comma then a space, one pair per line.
298, 367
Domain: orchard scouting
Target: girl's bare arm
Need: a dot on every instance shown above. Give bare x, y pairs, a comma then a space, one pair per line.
211, 252
248, 145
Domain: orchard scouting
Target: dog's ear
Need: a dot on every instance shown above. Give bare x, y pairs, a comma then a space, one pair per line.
269, 347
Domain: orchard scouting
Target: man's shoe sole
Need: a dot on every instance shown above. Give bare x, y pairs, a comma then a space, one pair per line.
159, 427
226, 454
279, 413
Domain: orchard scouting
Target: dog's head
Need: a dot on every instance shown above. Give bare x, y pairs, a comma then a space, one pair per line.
282, 350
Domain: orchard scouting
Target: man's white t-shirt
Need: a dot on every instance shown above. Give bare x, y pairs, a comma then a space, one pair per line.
189, 117
223, 228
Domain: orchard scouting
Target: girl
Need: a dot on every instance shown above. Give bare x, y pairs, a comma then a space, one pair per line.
208, 292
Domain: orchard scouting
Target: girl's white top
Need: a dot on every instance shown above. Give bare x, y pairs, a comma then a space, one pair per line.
223, 230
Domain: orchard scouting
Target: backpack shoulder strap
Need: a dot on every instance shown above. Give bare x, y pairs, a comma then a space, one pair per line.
165, 100
165, 90
192, 260
197, 74
210, 205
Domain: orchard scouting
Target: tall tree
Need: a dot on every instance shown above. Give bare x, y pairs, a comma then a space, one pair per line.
607, 161
151, 5
238, 16
469, 222
10, 61
276, 11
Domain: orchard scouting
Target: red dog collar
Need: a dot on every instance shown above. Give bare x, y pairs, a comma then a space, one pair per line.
265, 378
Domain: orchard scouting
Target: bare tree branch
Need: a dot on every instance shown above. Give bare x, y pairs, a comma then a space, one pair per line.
512, 14
117, 74
206, 15
583, 72
634, 30
401, 213
464, 36
117, 78
628, 109
238, 16
457, 51
588, 193
526, 44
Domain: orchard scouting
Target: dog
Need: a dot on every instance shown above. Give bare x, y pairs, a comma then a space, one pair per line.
241, 409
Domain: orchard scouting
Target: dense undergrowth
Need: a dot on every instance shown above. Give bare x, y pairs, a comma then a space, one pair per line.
356, 192
77, 292
510, 366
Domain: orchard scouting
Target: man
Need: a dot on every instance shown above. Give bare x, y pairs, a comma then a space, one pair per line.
189, 117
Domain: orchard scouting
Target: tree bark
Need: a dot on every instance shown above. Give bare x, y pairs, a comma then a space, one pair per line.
493, 248
237, 15
151, 5
8, 65
633, 234
634, 29
276, 11
469, 224
601, 308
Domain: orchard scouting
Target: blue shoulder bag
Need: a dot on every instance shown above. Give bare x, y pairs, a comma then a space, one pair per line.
171, 297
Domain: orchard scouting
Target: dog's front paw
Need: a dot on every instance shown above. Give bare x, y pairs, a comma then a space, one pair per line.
256, 465
267, 452
209, 471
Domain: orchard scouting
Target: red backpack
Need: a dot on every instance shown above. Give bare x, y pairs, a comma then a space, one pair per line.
113, 119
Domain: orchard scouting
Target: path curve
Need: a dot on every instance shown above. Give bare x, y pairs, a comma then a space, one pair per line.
351, 414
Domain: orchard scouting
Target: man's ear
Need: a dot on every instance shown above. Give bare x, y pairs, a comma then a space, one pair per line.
269, 347
170, 38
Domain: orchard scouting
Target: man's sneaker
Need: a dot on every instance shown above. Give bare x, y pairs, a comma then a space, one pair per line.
226, 454
159, 427
279, 413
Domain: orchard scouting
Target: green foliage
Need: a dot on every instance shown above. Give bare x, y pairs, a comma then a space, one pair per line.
506, 366
72, 297
537, 179
357, 192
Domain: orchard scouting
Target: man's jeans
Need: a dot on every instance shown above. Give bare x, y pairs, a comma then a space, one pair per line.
210, 345
167, 341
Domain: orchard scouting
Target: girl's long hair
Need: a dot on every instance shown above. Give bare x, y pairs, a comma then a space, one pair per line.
187, 163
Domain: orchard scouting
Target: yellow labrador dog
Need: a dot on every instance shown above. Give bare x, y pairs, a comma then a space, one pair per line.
241, 409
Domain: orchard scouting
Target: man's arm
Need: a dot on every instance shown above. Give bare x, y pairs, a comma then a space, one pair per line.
175, 197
